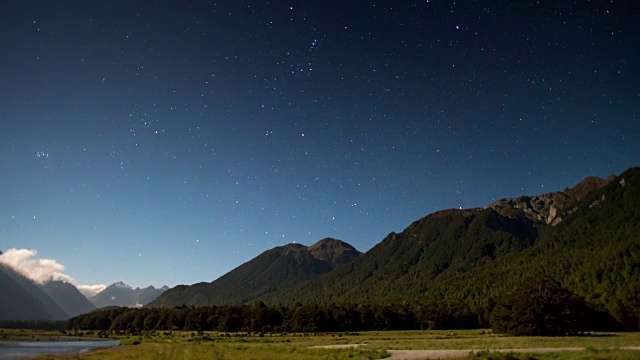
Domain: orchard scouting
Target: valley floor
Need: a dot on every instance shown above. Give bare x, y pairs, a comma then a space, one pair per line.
471, 353
395, 345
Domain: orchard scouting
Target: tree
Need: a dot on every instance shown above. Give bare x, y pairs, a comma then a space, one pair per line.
151, 321
539, 307
196, 319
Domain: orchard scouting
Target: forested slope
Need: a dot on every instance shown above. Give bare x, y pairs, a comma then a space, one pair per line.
452, 269
468, 258
272, 270
459, 263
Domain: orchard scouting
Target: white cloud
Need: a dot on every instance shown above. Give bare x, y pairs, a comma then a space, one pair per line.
42, 270
90, 290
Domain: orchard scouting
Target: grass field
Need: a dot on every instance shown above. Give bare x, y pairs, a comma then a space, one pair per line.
222, 351
373, 345
484, 339
566, 355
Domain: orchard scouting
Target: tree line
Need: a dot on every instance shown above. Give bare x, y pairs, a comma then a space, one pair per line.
33, 324
258, 317
538, 307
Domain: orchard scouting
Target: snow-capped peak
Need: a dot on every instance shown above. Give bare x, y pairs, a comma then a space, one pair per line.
120, 284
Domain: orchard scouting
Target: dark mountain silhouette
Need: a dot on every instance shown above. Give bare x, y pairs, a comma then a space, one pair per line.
270, 271
121, 294
22, 299
68, 298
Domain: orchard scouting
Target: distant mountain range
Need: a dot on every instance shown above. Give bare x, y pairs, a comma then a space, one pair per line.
270, 271
23, 299
586, 237
121, 294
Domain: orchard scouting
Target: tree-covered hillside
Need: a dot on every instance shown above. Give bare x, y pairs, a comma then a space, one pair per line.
459, 264
272, 270
469, 258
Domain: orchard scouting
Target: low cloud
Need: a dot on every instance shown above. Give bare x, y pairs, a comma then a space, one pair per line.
41, 271
90, 290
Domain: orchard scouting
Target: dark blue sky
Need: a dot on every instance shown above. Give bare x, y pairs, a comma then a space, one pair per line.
164, 143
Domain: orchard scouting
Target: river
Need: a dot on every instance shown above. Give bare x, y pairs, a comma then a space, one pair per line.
13, 350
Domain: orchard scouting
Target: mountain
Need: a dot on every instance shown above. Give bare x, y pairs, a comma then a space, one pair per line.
586, 237
452, 268
270, 271
54, 300
121, 294
68, 298
335, 252
148, 294
549, 208
27, 300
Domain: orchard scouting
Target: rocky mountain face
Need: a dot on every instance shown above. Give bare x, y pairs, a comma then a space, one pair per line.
273, 270
121, 294
549, 208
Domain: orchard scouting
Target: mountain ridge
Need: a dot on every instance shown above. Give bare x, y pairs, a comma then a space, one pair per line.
52, 300
471, 256
25, 302
67, 296
584, 236
30, 300
272, 270
121, 294
550, 207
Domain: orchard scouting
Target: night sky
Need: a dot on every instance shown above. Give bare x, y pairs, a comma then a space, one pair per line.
163, 143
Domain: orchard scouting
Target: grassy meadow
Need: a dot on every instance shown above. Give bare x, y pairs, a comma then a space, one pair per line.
221, 351
372, 345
